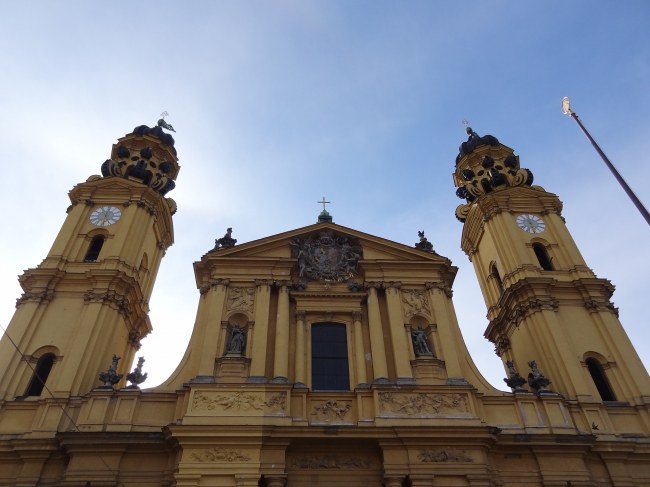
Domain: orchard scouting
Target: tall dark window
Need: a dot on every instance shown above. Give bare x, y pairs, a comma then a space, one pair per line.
94, 249
598, 375
41, 372
329, 357
497, 277
542, 257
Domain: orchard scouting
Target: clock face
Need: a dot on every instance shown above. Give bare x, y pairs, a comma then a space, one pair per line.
531, 223
105, 216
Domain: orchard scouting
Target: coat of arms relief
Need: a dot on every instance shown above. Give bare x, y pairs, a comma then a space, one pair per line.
415, 303
326, 257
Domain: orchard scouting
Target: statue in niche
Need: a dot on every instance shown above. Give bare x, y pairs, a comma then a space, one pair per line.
237, 341
420, 345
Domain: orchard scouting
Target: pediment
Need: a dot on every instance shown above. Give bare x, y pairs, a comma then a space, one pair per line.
277, 246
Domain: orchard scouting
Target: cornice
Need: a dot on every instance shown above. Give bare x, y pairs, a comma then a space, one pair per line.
531, 295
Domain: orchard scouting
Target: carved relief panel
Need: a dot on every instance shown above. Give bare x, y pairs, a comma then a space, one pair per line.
241, 299
415, 302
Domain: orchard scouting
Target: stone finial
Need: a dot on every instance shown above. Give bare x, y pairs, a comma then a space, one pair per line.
538, 380
111, 377
137, 377
515, 381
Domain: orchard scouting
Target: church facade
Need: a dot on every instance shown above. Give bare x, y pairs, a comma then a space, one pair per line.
323, 355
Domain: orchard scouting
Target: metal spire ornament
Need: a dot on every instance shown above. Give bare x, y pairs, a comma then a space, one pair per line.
163, 124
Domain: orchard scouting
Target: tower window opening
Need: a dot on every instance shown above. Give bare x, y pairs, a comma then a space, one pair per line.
329, 352
42, 371
599, 378
95, 247
497, 277
542, 257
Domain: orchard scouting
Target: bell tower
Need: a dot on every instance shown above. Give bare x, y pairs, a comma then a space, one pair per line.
544, 303
88, 299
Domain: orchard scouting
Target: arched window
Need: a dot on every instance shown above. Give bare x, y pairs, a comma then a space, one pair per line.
94, 249
497, 277
598, 375
329, 357
542, 257
41, 372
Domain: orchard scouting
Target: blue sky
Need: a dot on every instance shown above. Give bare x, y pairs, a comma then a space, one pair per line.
279, 103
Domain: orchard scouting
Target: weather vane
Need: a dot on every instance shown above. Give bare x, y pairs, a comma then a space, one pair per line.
468, 129
163, 124
464, 122
324, 203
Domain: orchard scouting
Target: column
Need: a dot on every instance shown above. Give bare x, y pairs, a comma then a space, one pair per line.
217, 298
360, 360
258, 346
281, 359
378, 350
401, 352
300, 350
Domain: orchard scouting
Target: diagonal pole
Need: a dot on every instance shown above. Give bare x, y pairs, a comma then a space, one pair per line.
619, 178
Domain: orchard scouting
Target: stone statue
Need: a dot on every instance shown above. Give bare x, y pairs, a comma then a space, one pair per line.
137, 377
224, 242
538, 380
237, 340
515, 381
424, 244
420, 345
111, 377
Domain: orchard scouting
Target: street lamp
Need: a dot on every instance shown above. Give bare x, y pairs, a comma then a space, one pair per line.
566, 109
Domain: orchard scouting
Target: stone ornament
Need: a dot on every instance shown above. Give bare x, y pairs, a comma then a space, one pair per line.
538, 380
354, 286
423, 403
237, 342
220, 455
330, 410
326, 258
515, 381
239, 401
443, 455
111, 377
424, 244
224, 242
414, 302
241, 299
137, 377
331, 461
420, 344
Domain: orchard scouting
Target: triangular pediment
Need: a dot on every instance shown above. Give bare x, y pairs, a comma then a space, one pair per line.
277, 246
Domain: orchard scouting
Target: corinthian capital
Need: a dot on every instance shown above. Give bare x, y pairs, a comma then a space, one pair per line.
372, 285
300, 315
264, 282
392, 285
356, 315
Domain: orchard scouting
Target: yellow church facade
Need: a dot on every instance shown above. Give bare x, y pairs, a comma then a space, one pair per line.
323, 355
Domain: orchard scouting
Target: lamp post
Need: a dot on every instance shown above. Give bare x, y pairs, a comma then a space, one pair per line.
566, 109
